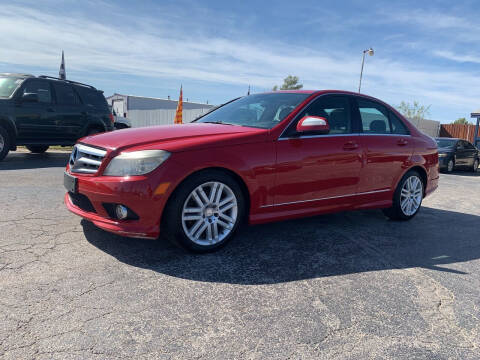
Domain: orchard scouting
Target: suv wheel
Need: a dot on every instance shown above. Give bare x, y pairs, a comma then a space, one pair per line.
37, 149
407, 198
4, 143
204, 212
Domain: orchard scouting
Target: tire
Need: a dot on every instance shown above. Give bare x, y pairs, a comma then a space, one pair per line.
475, 165
121, 126
5, 143
195, 221
407, 198
450, 166
37, 149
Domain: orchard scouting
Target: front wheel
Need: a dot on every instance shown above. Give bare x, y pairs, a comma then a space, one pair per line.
37, 149
475, 165
4, 143
204, 212
450, 165
407, 198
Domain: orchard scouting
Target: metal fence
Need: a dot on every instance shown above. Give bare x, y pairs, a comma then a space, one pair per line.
142, 118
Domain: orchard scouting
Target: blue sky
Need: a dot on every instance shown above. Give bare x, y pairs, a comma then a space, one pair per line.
424, 50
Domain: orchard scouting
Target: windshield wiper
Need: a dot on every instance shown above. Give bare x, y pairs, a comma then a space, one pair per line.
217, 122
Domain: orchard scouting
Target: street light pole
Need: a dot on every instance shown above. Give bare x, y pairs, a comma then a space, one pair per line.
370, 52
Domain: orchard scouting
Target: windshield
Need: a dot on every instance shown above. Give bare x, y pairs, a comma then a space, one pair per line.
260, 110
446, 143
8, 84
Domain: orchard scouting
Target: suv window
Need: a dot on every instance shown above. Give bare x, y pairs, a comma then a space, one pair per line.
460, 145
91, 97
65, 94
334, 108
39, 87
376, 119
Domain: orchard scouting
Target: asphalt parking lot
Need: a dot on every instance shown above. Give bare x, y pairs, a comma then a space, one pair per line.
343, 286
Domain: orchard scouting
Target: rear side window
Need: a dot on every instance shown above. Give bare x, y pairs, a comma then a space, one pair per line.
377, 119
398, 127
39, 87
91, 97
65, 94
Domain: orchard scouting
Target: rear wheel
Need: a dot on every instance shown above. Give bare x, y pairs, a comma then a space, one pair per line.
5, 143
407, 198
475, 165
37, 149
204, 212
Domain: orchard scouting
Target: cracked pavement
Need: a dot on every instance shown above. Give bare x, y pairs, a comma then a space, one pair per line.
342, 286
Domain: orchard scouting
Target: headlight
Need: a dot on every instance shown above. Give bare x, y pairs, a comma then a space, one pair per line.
442, 155
136, 162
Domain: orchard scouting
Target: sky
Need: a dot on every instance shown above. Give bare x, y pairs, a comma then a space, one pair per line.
425, 51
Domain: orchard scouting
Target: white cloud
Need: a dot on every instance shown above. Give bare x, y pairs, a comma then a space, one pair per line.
142, 47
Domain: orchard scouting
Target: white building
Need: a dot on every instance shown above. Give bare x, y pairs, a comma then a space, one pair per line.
146, 111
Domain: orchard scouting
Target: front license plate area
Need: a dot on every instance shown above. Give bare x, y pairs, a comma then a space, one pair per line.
70, 182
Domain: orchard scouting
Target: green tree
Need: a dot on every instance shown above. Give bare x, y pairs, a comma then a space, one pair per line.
414, 111
462, 121
289, 83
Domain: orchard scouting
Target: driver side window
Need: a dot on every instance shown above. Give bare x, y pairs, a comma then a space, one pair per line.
39, 87
334, 108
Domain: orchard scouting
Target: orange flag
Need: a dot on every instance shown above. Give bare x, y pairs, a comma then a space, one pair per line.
178, 114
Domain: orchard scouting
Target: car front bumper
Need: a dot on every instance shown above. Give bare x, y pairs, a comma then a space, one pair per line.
146, 196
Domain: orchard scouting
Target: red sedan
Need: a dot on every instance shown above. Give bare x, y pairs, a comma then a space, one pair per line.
263, 157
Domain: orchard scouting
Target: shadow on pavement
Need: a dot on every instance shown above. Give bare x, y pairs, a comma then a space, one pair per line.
308, 248
24, 160
464, 173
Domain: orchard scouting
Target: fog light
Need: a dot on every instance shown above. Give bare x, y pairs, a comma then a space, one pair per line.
121, 212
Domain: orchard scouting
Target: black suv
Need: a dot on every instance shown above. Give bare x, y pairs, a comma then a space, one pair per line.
41, 111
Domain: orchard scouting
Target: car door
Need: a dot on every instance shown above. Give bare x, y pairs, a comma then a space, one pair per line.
470, 153
461, 154
70, 112
387, 146
33, 119
316, 170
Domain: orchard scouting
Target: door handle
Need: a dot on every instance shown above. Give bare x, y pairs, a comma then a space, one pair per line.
402, 142
351, 145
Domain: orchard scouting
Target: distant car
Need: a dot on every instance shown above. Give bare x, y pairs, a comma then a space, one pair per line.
263, 157
38, 112
457, 153
119, 121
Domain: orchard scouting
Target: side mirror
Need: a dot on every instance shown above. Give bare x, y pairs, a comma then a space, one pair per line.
30, 97
313, 123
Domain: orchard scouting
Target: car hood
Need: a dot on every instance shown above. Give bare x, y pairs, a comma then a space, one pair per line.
175, 138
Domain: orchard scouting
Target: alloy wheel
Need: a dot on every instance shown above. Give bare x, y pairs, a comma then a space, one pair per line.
475, 165
450, 166
209, 213
411, 195
2, 143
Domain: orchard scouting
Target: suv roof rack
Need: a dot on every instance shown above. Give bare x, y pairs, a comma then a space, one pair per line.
68, 81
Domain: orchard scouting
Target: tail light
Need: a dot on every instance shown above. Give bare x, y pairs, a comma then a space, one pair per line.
112, 119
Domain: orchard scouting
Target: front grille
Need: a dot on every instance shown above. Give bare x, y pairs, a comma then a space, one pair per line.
82, 202
86, 159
